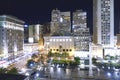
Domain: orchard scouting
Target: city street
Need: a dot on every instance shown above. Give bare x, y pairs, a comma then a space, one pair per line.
19, 62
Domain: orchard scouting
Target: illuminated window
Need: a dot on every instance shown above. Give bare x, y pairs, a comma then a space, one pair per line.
66, 39
70, 40
60, 40
56, 39
50, 39
63, 39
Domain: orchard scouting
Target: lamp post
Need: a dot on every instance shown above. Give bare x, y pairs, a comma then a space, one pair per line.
90, 58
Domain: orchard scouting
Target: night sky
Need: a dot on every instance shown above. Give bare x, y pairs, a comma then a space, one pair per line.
39, 11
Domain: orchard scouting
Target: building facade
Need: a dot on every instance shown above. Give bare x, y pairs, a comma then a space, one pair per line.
11, 36
60, 22
59, 43
34, 33
118, 41
103, 22
80, 31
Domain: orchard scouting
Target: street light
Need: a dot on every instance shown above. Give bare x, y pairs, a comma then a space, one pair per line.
109, 74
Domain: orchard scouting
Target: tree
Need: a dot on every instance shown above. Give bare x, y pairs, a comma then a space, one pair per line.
77, 60
50, 54
34, 56
30, 63
3, 70
107, 57
13, 71
65, 55
94, 60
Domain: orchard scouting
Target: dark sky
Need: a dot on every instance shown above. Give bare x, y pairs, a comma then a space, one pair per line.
39, 11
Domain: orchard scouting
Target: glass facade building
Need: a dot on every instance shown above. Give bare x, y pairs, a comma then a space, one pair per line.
103, 22
80, 31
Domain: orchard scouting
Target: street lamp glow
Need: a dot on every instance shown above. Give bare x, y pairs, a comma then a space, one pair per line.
23, 69
25, 25
61, 20
59, 70
37, 74
31, 64
27, 74
109, 74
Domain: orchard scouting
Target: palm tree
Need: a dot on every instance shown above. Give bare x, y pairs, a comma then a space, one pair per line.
3, 70
34, 56
50, 54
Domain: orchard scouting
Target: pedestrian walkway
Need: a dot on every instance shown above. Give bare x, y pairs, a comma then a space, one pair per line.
78, 78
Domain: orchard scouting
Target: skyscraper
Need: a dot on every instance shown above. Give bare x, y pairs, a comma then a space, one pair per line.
103, 22
60, 22
34, 32
80, 31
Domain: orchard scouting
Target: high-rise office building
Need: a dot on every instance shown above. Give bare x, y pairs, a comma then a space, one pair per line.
34, 32
55, 19
60, 22
103, 22
80, 31
45, 29
11, 36
65, 22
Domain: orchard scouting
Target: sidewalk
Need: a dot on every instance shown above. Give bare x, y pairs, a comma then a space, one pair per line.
77, 78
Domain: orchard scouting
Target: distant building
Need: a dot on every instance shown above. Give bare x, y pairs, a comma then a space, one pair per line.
11, 36
103, 22
118, 40
55, 19
45, 29
31, 48
34, 33
65, 21
60, 22
80, 19
80, 31
26, 33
